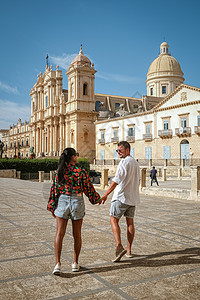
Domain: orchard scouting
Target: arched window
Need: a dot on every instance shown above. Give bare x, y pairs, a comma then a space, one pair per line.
85, 89
135, 108
72, 90
117, 105
72, 138
97, 105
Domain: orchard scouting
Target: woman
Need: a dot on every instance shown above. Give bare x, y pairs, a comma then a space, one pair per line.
66, 202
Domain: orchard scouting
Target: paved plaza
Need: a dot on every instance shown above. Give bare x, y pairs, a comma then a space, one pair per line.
166, 264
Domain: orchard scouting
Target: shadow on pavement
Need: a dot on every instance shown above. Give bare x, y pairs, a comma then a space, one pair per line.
185, 257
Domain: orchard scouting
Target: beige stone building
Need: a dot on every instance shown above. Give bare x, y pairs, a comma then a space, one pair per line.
162, 124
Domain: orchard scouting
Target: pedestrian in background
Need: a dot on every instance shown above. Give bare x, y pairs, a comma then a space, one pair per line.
153, 176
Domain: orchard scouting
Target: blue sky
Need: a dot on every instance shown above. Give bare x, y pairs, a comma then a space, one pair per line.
121, 38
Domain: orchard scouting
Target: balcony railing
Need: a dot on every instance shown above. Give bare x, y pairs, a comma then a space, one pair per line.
197, 129
130, 138
101, 141
165, 133
115, 139
183, 131
147, 137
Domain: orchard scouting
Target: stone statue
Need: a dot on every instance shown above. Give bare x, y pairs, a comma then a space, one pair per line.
32, 150
32, 154
1, 148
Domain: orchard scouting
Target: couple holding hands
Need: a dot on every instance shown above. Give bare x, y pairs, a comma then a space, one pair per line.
66, 201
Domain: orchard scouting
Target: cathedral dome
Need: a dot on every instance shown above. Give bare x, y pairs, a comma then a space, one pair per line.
164, 74
164, 62
81, 59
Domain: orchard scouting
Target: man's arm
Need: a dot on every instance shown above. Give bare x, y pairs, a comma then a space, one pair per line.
109, 190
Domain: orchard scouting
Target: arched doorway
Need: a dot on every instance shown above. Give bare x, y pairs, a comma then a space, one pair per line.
185, 151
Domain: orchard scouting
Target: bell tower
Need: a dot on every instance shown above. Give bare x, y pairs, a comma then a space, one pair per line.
80, 107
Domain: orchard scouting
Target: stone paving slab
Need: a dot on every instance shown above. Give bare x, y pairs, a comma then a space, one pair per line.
166, 264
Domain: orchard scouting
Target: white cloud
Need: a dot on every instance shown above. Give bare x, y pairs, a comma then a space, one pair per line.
63, 61
119, 78
8, 88
10, 112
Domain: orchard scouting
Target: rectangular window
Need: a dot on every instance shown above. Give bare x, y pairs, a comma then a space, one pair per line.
131, 131
166, 124
132, 152
102, 135
102, 154
148, 131
115, 154
184, 122
151, 91
148, 152
166, 152
46, 101
164, 90
115, 133
198, 120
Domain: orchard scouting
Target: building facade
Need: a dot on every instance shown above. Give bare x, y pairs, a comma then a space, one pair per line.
165, 123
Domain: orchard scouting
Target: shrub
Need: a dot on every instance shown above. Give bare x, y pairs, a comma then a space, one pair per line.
29, 165
84, 163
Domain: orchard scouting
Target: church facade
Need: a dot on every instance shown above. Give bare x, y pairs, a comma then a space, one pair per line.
162, 124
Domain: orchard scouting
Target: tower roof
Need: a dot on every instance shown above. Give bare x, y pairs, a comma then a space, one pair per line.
81, 58
164, 62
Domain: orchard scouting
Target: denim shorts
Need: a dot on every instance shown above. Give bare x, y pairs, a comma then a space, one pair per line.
70, 207
119, 209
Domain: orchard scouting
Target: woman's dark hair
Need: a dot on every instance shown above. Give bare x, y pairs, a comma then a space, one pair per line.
65, 158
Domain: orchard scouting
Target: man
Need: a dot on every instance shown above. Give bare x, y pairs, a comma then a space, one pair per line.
125, 185
153, 176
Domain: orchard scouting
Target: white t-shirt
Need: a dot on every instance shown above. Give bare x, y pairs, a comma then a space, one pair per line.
128, 179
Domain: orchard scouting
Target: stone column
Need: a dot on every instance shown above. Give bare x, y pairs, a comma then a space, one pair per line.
165, 162
180, 173
143, 178
41, 176
48, 139
104, 178
51, 175
150, 163
164, 174
51, 140
182, 163
18, 174
195, 183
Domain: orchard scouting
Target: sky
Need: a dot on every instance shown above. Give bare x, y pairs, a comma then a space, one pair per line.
121, 38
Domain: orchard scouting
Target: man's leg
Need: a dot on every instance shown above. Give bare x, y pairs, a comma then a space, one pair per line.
130, 233
116, 232
156, 180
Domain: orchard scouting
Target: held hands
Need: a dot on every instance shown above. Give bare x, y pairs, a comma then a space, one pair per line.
53, 214
104, 198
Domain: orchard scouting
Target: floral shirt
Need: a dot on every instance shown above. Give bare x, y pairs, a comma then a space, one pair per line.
76, 181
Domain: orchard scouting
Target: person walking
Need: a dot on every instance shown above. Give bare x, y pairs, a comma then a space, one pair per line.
66, 202
153, 176
125, 185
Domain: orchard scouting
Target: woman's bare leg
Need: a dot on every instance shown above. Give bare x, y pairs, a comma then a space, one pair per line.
76, 227
60, 233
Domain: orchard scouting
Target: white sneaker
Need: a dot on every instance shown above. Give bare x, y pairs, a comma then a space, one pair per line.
75, 267
57, 269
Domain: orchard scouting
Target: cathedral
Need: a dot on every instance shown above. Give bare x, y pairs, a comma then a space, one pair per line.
163, 124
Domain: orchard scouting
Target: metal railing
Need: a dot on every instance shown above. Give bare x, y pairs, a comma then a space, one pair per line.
165, 133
